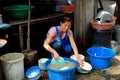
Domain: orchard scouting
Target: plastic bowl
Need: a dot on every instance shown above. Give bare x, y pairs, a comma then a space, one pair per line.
85, 69
33, 73
41, 63
67, 8
80, 56
100, 57
102, 26
17, 11
2, 42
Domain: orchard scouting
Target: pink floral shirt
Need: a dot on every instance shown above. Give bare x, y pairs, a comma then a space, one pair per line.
53, 32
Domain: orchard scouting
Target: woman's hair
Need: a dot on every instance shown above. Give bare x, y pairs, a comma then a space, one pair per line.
66, 18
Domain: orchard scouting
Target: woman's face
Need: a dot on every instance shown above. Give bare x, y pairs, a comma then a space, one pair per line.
65, 26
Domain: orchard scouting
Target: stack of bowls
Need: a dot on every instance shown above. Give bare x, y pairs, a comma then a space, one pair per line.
41, 63
85, 69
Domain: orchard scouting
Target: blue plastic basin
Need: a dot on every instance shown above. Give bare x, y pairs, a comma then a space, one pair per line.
100, 57
61, 74
33, 73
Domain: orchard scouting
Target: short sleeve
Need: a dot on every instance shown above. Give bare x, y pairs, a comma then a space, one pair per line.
52, 31
70, 33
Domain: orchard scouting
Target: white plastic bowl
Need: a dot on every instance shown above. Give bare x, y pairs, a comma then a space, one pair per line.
80, 56
85, 69
41, 63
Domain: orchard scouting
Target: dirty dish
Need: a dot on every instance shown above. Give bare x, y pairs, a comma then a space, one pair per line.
85, 69
80, 56
41, 63
86, 66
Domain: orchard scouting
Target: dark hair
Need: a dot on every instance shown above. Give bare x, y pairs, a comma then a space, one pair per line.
65, 18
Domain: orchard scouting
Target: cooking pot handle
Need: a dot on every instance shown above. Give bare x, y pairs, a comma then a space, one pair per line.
100, 4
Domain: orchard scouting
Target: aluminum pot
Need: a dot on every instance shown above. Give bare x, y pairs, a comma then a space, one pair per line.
103, 17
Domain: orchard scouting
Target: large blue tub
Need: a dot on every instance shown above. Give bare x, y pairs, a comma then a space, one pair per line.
100, 57
61, 74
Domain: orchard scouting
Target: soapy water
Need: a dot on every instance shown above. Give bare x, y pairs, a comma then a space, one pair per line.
66, 66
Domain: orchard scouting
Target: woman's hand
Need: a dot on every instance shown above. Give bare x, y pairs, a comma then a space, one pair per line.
56, 56
81, 63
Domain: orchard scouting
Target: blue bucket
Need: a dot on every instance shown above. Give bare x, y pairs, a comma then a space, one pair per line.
100, 57
61, 74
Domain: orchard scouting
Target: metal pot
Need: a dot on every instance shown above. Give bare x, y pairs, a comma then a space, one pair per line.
103, 17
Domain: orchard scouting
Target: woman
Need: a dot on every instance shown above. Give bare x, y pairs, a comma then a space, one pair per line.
60, 38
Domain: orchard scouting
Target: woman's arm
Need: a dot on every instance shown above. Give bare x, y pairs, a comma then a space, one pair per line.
49, 48
75, 50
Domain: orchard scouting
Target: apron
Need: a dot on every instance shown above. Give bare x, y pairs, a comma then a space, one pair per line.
62, 44
63, 41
